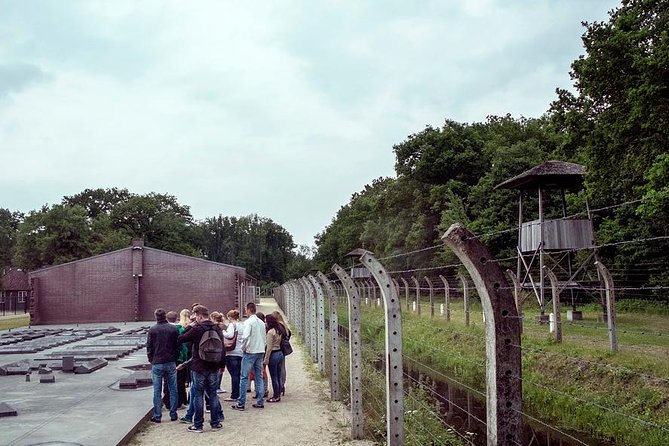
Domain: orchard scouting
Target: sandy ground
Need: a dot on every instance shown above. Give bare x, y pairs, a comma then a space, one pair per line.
305, 415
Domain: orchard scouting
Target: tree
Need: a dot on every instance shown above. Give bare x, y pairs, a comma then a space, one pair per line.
9, 223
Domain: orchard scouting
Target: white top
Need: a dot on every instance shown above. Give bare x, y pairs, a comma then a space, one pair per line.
254, 335
230, 332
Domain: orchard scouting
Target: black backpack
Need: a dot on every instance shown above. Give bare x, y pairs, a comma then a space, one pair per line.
211, 346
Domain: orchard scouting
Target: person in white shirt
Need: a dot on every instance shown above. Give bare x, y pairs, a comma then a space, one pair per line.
253, 347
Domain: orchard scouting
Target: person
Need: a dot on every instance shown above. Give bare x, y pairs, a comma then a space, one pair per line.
252, 375
218, 319
274, 356
182, 357
204, 373
162, 351
287, 333
233, 358
183, 369
253, 346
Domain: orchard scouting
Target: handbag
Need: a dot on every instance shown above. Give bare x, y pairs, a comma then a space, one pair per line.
230, 344
286, 348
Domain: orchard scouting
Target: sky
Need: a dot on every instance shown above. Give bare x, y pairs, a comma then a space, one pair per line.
279, 108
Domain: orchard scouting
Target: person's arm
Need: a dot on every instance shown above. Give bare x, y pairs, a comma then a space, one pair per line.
149, 346
247, 333
229, 332
187, 336
269, 337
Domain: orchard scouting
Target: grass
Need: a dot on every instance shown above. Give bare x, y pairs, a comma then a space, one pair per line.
19, 320
577, 385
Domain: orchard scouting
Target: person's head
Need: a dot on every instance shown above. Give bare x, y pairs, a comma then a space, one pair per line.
278, 317
250, 308
192, 307
171, 316
233, 315
217, 317
184, 317
159, 314
271, 322
260, 316
201, 313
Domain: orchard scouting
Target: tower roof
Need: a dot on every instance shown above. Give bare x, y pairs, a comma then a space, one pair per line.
549, 175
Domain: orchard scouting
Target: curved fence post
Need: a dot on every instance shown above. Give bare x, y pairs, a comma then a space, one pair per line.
406, 291
610, 305
555, 291
447, 298
355, 351
320, 324
334, 336
397, 286
429, 284
417, 285
503, 368
516, 295
311, 326
394, 370
465, 296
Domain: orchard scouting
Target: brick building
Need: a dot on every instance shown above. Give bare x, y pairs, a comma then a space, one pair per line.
130, 283
14, 291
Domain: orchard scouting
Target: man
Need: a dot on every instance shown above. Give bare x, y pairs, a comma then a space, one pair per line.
162, 351
253, 346
182, 357
204, 373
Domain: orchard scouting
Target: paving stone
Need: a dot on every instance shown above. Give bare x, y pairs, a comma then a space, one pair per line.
7, 411
128, 383
90, 366
48, 378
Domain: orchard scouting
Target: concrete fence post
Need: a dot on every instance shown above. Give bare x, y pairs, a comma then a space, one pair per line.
516, 295
447, 298
334, 336
502, 330
417, 285
465, 296
394, 370
610, 305
355, 351
406, 292
557, 310
320, 324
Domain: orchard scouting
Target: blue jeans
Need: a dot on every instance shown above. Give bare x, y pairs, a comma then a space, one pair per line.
252, 361
234, 366
205, 382
158, 372
275, 360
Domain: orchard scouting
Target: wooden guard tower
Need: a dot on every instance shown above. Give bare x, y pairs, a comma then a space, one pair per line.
552, 243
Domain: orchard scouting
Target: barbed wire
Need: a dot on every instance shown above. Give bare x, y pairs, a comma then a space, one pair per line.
536, 420
593, 404
449, 378
588, 361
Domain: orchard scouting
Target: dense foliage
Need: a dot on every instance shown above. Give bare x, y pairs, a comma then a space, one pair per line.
615, 123
101, 220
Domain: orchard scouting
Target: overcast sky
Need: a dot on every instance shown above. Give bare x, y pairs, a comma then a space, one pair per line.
283, 109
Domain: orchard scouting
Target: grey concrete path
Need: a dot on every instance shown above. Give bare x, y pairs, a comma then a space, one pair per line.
86, 409
305, 416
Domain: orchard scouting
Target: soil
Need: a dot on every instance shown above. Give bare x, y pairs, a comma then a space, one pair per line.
304, 416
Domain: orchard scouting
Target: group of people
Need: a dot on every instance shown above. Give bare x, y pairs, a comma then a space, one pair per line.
196, 346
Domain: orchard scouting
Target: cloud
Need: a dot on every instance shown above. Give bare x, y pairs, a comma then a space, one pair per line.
16, 77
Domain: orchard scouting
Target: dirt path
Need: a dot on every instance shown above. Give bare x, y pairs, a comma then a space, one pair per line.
305, 416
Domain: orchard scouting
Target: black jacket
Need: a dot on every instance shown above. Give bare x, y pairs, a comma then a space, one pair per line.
194, 334
161, 343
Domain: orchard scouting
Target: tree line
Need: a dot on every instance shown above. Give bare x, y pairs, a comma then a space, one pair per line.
96, 221
615, 123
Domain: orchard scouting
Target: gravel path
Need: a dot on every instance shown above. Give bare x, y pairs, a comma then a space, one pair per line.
305, 416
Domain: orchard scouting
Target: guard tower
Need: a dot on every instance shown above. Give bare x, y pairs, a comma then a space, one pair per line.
552, 243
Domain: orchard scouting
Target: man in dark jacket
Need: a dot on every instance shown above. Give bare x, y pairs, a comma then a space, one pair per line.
204, 373
162, 350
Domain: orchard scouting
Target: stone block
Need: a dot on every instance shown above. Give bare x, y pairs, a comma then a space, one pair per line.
48, 378
68, 364
7, 411
128, 382
90, 366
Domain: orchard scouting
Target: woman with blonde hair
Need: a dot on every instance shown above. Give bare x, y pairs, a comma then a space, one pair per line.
279, 318
183, 373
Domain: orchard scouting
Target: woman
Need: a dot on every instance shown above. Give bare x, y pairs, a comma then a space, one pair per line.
183, 373
218, 319
274, 356
233, 358
286, 333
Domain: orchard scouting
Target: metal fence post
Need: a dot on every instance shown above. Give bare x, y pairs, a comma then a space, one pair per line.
334, 336
355, 351
502, 329
394, 370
